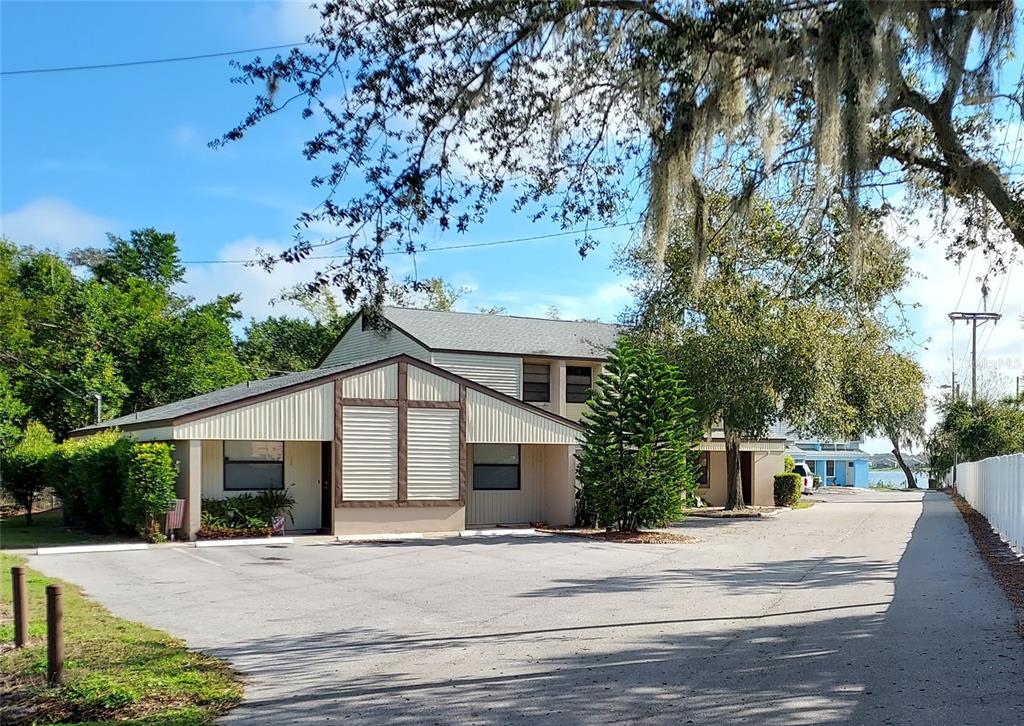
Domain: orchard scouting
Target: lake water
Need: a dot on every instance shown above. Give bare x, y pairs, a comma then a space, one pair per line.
896, 477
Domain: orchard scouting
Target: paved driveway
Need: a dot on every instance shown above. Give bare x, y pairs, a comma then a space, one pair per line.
867, 608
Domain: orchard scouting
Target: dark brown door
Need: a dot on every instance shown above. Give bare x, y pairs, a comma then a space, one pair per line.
747, 477
326, 500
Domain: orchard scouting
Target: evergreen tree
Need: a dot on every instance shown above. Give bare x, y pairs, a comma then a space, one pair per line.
636, 460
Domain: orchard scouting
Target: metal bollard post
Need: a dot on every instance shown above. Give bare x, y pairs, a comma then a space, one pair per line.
54, 636
20, 596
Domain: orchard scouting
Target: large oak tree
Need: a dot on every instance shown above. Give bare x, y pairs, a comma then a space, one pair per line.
425, 113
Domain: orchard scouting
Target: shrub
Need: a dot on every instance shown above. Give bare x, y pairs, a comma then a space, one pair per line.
213, 531
149, 487
636, 457
247, 511
788, 464
24, 468
787, 489
88, 474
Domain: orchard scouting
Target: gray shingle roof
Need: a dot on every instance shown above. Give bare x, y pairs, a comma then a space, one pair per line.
480, 332
231, 394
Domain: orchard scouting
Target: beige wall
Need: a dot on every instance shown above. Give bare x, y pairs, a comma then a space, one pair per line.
187, 456
394, 520
764, 467
545, 493
715, 494
301, 476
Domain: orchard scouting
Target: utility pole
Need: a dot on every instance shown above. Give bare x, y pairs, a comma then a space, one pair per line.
974, 319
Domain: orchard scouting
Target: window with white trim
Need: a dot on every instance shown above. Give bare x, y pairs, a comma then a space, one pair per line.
496, 466
253, 465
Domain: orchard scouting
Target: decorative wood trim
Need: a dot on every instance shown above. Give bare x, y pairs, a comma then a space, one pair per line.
396, 402
403, 430
392, 504
463, 454
339, 418
384, 402
434, 404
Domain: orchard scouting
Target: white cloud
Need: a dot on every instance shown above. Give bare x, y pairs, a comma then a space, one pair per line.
604, 303
257, 286
55, 224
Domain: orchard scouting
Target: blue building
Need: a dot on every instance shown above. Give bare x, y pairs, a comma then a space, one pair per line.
838, 463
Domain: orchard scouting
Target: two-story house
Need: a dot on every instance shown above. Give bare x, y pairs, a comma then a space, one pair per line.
434, 421
837, 463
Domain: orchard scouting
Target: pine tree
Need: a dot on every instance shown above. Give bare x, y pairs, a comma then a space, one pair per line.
636, 459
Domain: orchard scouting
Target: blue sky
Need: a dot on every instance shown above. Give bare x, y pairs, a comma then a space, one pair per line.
111, 150
89, 152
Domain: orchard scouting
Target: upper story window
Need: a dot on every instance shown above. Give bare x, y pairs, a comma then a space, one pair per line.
578, 380
537, 382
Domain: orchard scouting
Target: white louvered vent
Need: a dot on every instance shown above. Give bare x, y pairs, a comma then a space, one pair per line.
369, 453
433, 447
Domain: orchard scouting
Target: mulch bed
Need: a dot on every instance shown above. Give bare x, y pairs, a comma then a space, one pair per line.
625, 537
721, 513
1004, 564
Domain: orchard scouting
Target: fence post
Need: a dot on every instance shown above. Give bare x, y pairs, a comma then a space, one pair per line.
54, 636
20, 606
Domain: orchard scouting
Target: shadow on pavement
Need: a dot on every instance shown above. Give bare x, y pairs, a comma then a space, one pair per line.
942, 652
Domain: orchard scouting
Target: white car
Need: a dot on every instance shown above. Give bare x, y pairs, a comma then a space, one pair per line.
807, 475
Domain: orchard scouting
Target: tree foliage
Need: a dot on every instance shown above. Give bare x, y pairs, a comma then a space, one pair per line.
882, 394
974, 431
635, 467
760, 334
571, 110
24, 467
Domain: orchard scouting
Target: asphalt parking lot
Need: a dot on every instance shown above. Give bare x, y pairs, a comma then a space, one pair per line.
867, 608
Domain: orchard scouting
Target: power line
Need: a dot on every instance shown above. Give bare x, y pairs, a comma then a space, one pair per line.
470, 245
16, 359
152, 61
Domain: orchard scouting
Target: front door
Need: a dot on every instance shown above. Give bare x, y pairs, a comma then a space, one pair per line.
747, 476
326, 498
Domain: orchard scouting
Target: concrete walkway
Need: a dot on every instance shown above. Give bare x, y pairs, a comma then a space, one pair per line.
870, 609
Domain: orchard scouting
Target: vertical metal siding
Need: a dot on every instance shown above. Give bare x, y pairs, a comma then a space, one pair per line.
493, 421
502, 373
376, 383
365, 345
510, 507
301, 416
427, 386
433, 450
369, 456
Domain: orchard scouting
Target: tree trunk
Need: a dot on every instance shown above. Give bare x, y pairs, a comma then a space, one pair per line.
28, 513
733, 482
907, 471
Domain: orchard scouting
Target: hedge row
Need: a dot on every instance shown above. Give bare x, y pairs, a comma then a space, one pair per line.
107, 482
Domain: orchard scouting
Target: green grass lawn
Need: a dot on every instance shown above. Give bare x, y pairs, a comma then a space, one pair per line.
115, 670
803, 504
47, 530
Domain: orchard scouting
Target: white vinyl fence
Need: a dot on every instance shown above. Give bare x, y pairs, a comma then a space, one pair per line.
995, 487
